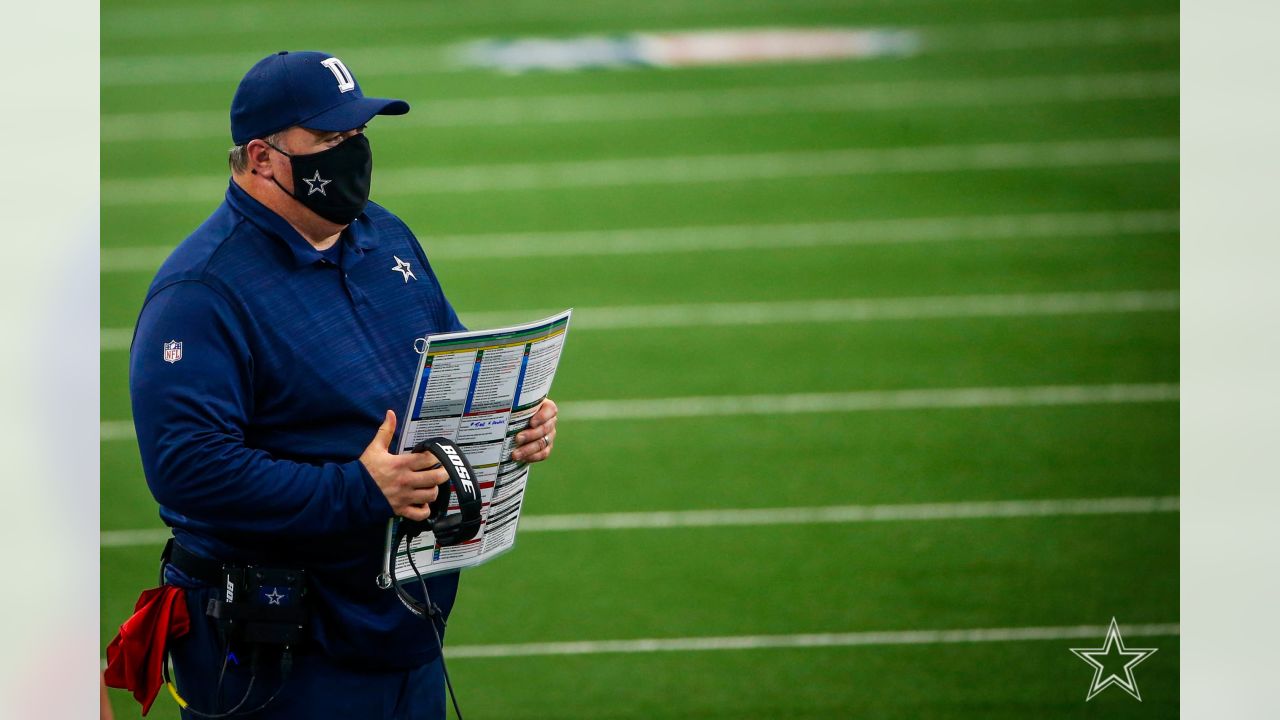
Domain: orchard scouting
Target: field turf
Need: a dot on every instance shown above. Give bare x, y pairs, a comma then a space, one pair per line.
525, 189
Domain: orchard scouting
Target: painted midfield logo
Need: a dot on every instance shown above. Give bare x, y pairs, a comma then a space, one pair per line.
1113, 646
173, 351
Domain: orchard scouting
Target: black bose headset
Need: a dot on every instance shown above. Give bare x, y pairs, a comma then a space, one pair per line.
461, 526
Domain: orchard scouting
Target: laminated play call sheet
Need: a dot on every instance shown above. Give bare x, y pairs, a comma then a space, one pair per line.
479, 388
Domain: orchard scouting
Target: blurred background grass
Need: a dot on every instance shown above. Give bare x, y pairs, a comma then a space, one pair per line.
777, 225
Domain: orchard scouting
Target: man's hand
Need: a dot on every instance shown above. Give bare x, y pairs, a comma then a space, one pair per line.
404, 479
534, 443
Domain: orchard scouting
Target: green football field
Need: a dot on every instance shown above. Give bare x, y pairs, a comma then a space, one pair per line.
869, 408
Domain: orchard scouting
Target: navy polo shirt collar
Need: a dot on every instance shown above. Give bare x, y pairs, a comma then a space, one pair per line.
360, 233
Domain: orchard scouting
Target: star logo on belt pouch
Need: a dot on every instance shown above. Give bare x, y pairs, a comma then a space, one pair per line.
316, 184
402, 267
1122, 661
275, 596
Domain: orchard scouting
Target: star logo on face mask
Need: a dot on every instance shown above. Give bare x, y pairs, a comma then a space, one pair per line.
402, 267
316, 184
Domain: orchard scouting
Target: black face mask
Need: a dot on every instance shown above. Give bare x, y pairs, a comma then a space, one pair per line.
333, 183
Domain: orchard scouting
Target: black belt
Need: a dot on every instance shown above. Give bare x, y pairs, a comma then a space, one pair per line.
204, 570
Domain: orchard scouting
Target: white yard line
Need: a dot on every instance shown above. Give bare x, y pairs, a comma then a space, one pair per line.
849, 514
178, 20
684, 169
427, 58
115, 339
133, 538
808, 640
1066, 32
812, 311
838, 514
845, 311
866, 401
804, 403
880, 638
744, 101
113, 430
635, 241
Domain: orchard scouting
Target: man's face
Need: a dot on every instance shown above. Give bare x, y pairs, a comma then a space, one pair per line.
304, 141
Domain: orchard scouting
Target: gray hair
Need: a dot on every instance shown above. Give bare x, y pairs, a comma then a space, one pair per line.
238, 156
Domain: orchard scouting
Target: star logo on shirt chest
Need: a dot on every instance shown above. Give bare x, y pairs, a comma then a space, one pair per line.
316, 184
403, 268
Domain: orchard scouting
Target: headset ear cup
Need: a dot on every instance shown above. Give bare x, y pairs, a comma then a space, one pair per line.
444, 491
440, 505
446, 530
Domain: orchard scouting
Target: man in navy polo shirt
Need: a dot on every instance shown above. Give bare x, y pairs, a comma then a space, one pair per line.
269, 347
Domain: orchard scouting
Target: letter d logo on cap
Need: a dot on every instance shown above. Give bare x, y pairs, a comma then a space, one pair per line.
340, 73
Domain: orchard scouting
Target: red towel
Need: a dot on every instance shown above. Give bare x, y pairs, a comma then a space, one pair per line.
135, 657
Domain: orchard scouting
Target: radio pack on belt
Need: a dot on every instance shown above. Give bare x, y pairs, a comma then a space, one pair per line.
258, 610
261, 605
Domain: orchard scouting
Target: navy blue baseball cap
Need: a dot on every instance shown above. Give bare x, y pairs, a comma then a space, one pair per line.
311, 89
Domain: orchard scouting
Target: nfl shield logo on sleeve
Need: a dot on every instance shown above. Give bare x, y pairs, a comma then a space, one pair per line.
173, 351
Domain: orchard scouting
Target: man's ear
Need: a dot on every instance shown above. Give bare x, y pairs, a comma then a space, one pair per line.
259, 153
